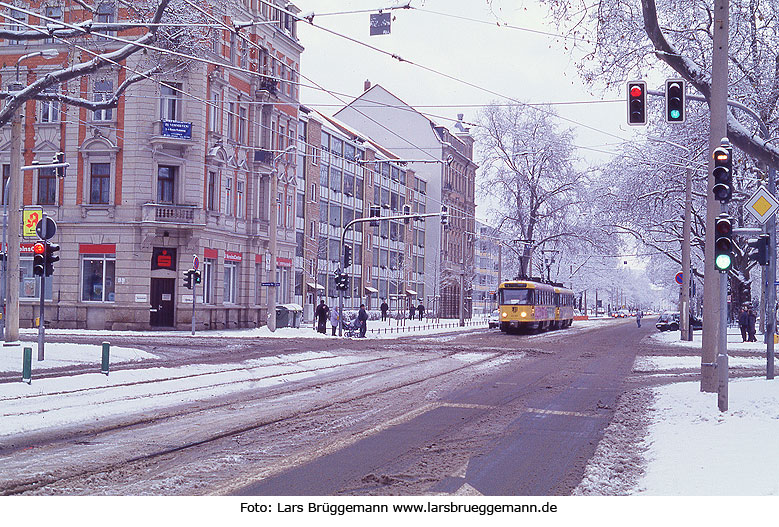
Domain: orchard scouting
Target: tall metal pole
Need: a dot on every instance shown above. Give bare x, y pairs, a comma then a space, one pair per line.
14, 238
770, 319
686, 271
712, 288
272, 228
4, 282
41, 312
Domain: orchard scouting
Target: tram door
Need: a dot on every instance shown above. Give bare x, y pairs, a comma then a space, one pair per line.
161, 311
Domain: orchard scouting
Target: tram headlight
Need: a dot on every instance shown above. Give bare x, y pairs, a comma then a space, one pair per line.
523, 314
504, 314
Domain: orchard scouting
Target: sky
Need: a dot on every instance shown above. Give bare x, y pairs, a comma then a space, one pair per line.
461, 40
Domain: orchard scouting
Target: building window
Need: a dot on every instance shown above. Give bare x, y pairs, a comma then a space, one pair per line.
97, 277
30, 285
105, 15
229, 196
231, 283
299, 209
166, 179
50, 109
103, 91
170, 101
11, 18
231, 120
209, 279
242, 125
239, 199
99, 183
47, 186
214, 112
55, 13
211, 197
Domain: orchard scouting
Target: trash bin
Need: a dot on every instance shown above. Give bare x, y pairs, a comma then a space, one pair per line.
295, 315
282, 316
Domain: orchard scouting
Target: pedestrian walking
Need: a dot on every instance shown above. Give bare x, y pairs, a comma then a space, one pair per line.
384, 308
742, 323
421, 310
335, 319
412, 311
362, 319
321, 313
638, 318
751, 320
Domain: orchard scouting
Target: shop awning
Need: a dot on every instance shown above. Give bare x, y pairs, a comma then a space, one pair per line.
371, 289
312, 285
411, 292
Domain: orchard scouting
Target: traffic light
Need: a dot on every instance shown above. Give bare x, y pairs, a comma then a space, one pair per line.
39, 258
59, 157
759, 249
375, 213
196, 276
674, 100
406, 212
637, 103
444, 215
342, 282
188, 278
347, 256
51, 257
723, 173
723, 242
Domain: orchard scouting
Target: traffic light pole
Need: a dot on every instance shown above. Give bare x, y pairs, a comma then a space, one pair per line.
41, 326
194, 298
343, 244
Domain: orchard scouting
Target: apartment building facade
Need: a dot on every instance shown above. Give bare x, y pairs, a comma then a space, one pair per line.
443, 159
181, 168
345, 176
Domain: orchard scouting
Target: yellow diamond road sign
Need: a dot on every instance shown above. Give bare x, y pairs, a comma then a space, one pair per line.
762, 205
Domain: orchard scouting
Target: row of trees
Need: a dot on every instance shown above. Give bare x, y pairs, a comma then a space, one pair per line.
543, 196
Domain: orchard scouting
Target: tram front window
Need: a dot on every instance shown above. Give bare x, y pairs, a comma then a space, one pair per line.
515, 296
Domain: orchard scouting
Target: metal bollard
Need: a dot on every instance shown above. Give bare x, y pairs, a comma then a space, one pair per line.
27, 366
106, 354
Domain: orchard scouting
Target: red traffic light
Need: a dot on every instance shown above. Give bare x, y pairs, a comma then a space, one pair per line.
635, 91
39, 248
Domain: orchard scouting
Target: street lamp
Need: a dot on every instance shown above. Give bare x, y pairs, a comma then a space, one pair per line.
11, 191
684, 300
273, 224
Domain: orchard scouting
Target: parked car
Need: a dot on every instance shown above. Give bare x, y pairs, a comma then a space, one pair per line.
494, 320
669, 321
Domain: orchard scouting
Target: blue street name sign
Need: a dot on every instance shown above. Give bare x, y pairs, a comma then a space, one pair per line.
271, 284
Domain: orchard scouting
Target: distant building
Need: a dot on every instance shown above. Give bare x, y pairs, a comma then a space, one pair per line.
345, 174
486, 269
444, 161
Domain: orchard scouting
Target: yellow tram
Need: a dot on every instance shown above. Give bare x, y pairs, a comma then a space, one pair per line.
529, 304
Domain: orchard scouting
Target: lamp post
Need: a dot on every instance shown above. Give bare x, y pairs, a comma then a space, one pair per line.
272, 228
684, 298
11, 214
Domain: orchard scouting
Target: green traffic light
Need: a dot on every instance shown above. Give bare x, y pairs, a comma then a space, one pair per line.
722, 262
675, 114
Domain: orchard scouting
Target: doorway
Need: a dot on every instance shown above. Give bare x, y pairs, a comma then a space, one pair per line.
162, 302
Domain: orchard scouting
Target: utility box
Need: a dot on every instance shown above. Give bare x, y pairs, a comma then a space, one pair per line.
289, 315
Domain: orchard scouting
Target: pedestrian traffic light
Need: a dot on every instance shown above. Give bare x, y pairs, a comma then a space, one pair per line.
444, 215
347, 256
674, 100
188, 278
39, 258
196, 276
637, 103
723, 173
59, 157
406, 212
759, 249
723, 242
51, 257
342, 282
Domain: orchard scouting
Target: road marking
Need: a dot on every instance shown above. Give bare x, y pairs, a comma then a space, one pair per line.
560, 412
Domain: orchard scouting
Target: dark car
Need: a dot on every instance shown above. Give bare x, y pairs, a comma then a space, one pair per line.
669, 321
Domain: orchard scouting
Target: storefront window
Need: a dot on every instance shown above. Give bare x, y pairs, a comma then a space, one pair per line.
98, 278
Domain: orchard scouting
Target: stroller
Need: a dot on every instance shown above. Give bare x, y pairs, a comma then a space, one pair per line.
351, 329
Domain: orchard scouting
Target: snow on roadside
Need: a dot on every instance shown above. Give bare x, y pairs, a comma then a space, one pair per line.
673, 440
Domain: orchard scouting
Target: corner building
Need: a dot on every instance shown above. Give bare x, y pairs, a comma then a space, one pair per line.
181, 168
